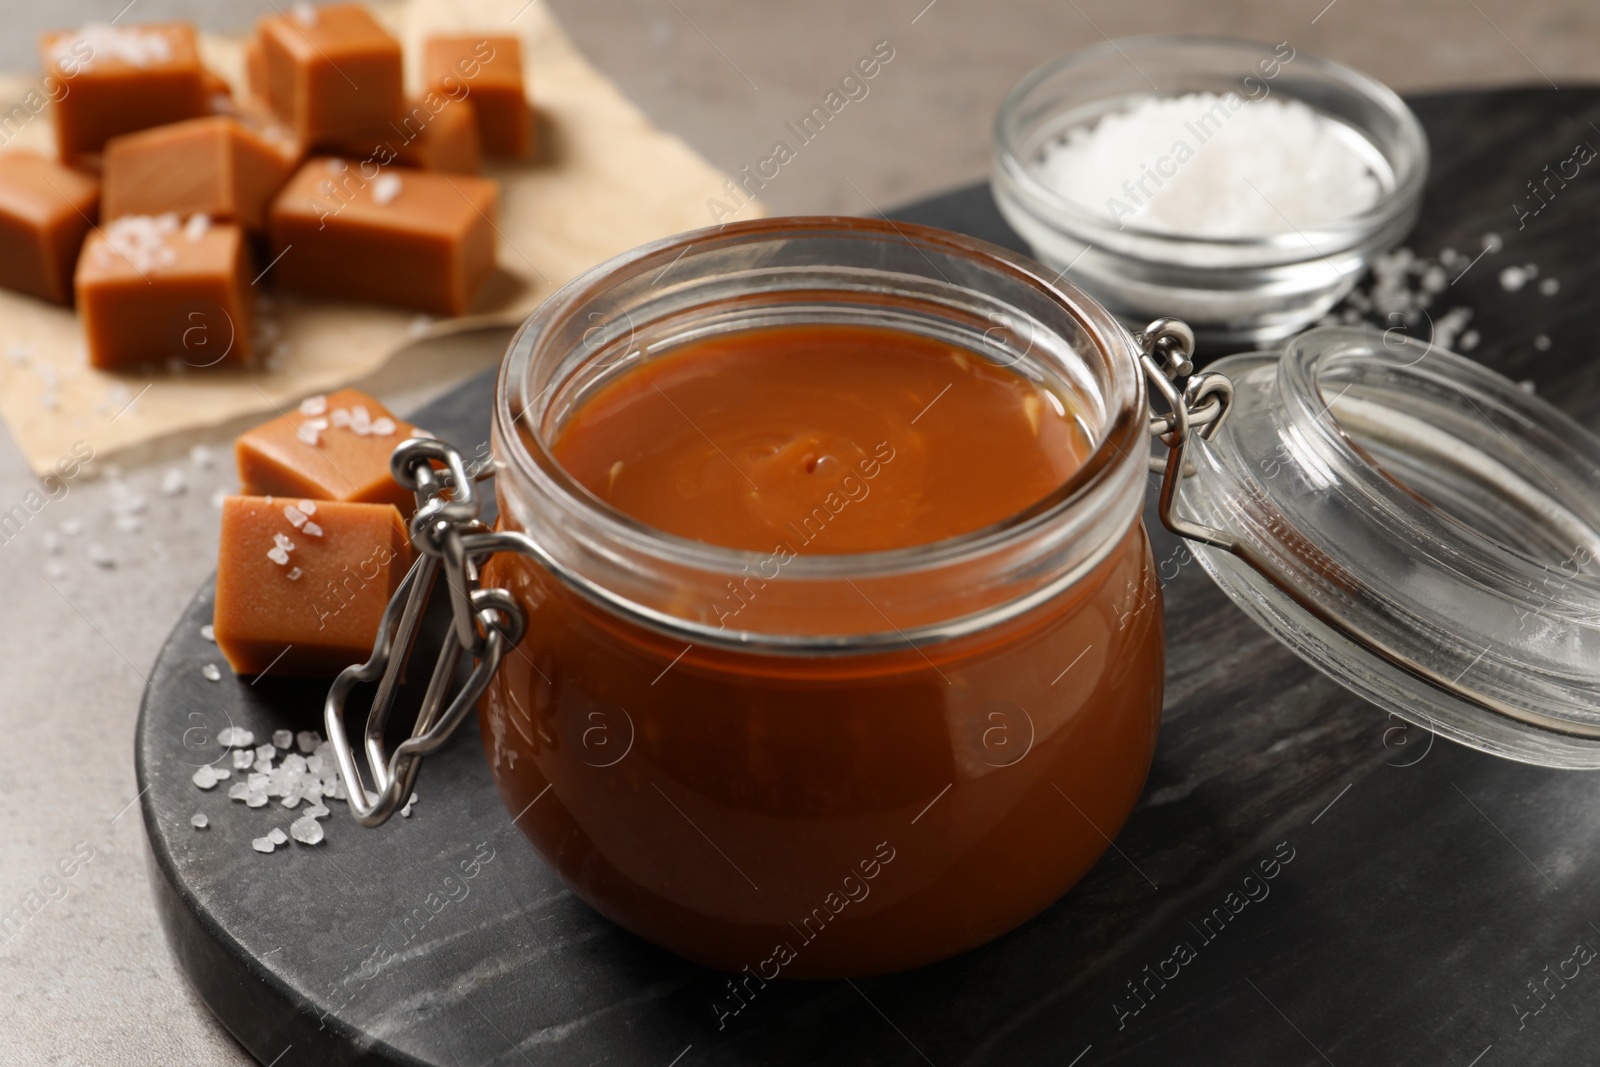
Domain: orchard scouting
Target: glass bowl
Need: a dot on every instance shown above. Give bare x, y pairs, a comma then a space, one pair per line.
1238, 291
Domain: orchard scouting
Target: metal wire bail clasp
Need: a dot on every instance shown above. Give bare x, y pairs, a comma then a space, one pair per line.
452, 541
1193, 401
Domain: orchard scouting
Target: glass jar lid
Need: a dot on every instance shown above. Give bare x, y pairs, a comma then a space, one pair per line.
1414, 525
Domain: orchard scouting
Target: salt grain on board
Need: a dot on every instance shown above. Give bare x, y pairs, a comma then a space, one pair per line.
211, 673
199, 821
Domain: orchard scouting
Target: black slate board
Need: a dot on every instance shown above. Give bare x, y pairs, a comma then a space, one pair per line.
1426, 886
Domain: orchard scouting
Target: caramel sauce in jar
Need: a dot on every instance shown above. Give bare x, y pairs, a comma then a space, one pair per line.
847, 654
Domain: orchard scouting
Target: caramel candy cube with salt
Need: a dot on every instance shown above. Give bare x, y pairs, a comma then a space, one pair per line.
487, 70
121, 79
436, 133
45, 212
151, 289
329, 70
215, 166
302, 584
334, 447
358, 231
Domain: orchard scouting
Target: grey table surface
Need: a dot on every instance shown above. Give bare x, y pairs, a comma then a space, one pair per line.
88, 979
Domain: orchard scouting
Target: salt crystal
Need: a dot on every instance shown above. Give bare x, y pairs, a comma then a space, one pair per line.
311, 529
223, 772
383, 426
235, 737
294, 574
266, 752
1513, 278
262, 766
200, 456
1468, 342
199, 821
72, 527
243, 759
209, 632
308, 506
195, 229
255, 799
306, 830
262, 844
1550, 287
316, 765
238, 790
211, 673
290, 800
282, 738
278, 836
278, 556
296, 517
340, 417
133, 45
1542, 343
315, 811
314, 405
310, 432
1276, 165
205, 777
173, 482
385, 188
99, 556
280, 541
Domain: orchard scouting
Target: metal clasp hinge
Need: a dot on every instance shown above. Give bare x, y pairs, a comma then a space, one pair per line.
1194, 402
452, 543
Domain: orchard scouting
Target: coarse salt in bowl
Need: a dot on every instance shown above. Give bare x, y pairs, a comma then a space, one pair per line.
1241, 187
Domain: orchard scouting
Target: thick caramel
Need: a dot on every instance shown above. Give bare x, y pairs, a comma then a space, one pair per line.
333, 447
360, 231
215, 166
302, 584
122, 79
46, 210
153, 289
486, 69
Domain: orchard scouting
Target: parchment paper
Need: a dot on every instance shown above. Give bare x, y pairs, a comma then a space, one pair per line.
604, 180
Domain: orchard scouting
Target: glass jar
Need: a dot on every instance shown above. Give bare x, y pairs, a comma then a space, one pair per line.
790, 765
823, 765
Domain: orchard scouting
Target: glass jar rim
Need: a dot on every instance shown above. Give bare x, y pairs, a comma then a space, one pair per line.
1392, 201
1120, 440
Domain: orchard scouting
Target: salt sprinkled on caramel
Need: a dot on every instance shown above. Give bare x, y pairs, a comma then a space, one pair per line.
196, 227
314, 405
141, 240
385, 188
127, 44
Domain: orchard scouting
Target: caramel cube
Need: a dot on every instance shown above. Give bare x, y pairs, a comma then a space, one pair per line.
121, 79
215, 166
487, 70
435, 134
358, 231
153, 289
335, 447
255, 69
302, 584
330, 69
45, 212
